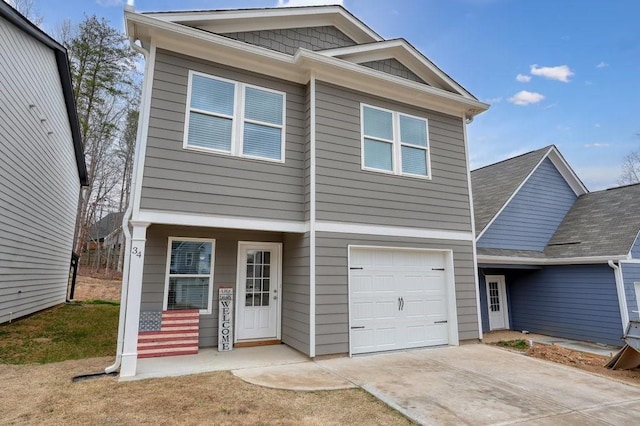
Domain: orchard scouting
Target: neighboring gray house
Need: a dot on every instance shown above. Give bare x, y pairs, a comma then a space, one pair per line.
324, 169
106, 231
554, 258
41, 168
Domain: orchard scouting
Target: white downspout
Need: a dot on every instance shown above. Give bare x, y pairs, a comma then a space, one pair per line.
622, 299
125, 220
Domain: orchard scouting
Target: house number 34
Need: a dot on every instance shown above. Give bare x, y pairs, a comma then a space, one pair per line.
136, 252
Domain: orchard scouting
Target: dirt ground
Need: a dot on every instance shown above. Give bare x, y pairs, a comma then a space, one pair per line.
582, 360
45, 394
93, 286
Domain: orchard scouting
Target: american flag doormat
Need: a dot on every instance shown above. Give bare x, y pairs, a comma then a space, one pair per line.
168, 333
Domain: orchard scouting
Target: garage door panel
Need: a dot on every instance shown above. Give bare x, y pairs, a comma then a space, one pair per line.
361, 284
379, 280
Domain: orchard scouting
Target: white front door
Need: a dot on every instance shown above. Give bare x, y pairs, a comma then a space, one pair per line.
258, 291
398, 299
497, 302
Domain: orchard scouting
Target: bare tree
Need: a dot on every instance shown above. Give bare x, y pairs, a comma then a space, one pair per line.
28, 9
630, 169
102, 67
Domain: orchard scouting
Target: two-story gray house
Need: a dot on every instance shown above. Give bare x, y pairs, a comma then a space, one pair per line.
42, 168
317, 169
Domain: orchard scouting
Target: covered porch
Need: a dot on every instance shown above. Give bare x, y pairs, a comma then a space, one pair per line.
177, 268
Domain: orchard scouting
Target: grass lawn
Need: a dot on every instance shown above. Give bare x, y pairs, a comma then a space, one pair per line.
71, 331
84, 334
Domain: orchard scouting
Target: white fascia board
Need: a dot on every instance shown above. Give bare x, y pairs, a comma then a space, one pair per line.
213, 221
567, 172
504, 206
406, 54
509, 260
357, 77
228, 21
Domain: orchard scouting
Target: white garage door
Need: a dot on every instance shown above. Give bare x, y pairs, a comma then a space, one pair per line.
398, 299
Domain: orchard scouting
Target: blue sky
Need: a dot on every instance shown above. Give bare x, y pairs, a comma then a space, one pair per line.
563, 72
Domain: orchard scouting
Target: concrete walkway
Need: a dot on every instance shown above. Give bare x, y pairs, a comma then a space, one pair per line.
472, 384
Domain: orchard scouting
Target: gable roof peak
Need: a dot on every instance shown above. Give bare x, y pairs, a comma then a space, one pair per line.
255, 19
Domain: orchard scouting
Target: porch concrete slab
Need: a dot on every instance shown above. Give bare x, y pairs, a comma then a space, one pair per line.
482, 385
307, 376
211, 360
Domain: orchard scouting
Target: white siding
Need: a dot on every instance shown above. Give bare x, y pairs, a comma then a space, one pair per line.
39, 182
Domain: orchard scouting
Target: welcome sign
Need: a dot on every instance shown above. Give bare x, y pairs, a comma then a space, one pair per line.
225, 319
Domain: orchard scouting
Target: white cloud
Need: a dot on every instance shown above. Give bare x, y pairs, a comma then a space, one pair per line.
597, 125
596, 145
110, 3
560, 73
495, 100
523, 78
599, 177
524, 97
294, 3
602, 64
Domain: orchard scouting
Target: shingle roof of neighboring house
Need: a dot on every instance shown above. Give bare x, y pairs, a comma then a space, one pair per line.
494, 184
13, 16
105, 226
600, 223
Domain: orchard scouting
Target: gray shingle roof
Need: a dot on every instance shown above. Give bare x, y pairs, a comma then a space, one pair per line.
602, 223
105, 226
494, 184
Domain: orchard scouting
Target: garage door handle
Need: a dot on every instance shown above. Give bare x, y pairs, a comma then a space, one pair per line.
354, 268
437, 269
440, 322
354, 328
400, 303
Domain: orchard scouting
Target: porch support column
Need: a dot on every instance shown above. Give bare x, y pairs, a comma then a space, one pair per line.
134, 298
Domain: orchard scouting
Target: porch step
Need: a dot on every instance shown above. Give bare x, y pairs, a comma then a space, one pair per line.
177, 335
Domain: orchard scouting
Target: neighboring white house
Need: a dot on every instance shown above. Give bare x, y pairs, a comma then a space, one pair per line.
41, 168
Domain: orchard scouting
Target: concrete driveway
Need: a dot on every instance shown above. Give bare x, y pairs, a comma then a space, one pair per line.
471, 384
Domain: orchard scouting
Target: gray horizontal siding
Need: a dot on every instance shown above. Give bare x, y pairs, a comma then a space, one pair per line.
295, 292
332, 304
575, 302
39, 183
345, 193
631, 275
289, 40
534, 214
224, 274
189, 181
393, 67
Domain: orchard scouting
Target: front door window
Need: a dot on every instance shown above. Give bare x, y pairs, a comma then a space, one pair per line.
258, 281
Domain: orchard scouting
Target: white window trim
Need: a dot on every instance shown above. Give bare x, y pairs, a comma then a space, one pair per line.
238, 120
397, 144
168, 275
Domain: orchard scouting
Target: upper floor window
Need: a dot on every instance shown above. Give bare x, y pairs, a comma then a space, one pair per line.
234, 118
393, 142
